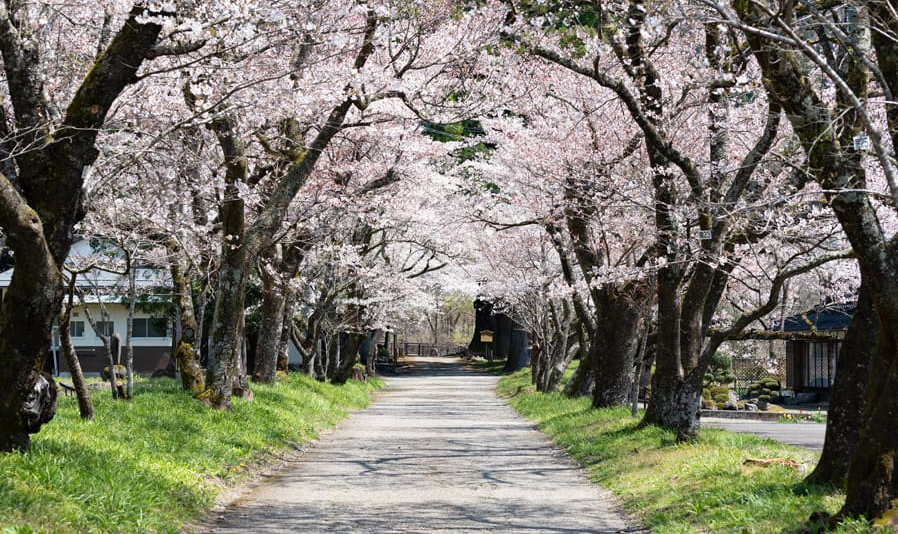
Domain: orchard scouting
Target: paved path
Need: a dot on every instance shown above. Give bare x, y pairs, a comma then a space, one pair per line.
436, 453
807, 435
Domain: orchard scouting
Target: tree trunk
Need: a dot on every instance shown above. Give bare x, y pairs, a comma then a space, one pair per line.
584, 379
618, 327
287, 331
186, 354
872, 482
343, 370
320, 362
848, 395
241, 375
85, 406
483, 312
680, 361
129, 337
273, 303
560, 363
518, 349
502, 336
675, 404
224, 337
537, 363
39, 222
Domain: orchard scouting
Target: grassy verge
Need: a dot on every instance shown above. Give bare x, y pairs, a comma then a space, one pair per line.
494, 368
680, 488
153, 464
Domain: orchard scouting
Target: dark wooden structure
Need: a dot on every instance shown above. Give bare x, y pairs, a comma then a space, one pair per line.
811, 365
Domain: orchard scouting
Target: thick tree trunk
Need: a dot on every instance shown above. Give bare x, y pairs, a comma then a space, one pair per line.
848, 395
676, 395
224, 337
186, 354
350, 355
872, 482
675, 404
617, 330
41, 231
518, 356
273, 302
502, 337
483, 313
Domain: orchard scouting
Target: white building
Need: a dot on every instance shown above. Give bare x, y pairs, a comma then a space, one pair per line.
106, 296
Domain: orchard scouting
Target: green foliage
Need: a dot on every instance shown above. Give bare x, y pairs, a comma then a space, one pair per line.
680, 488
157, 462
766, 389
719, 394
720, 370
459, 131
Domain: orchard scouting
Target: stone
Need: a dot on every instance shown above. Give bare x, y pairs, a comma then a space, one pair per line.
730, 405
763, 406
751, 407
732, 397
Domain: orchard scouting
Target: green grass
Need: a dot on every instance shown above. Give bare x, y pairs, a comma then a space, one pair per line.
680, 488
494, 368
153, 464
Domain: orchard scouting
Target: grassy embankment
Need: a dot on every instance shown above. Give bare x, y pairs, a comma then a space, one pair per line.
151, 465
680, 488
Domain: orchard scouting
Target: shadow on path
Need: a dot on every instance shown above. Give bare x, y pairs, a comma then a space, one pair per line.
436, 453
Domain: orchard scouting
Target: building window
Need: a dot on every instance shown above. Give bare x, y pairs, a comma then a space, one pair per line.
105, 328
76, 328
150, 327
817, 365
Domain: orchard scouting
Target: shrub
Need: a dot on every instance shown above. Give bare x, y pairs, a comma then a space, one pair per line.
720, 370
768, 387
720, 394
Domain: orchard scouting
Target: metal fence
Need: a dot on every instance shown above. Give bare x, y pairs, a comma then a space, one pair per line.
430, 349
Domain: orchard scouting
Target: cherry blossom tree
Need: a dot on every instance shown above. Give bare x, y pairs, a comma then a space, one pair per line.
831, 125
50, 137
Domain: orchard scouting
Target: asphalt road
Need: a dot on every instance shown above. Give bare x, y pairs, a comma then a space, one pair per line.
436, 453
807, 435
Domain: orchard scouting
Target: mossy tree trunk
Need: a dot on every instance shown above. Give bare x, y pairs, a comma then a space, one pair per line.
272, 322
186, 354
872, 482
39, 212
277, 317
616, 321
241, 246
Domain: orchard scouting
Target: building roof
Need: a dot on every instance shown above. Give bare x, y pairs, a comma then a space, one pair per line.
829, 317
85, 252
